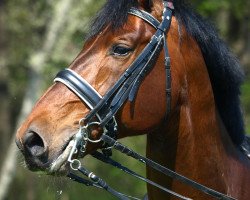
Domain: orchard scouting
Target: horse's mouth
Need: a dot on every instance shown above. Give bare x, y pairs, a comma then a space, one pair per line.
61, 165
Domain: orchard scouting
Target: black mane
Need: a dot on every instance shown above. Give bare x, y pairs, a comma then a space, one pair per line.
224, 69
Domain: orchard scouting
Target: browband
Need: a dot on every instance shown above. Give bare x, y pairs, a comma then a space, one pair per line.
145, 16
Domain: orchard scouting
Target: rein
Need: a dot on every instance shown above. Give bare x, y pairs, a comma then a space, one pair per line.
104, 109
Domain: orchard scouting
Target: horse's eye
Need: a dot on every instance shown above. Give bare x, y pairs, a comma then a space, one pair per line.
120, 50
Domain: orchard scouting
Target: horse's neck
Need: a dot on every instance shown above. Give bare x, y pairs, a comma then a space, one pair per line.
194, 143
198, 147
195, 150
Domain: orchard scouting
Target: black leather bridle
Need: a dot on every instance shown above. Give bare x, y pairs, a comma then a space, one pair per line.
104, 109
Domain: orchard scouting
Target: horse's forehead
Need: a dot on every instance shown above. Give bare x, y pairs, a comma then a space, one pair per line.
133, 28
95, 49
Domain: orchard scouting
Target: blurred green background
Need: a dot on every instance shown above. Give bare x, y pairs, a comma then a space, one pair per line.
37, 39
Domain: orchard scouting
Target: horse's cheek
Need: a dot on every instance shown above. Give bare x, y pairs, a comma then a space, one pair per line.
143, 114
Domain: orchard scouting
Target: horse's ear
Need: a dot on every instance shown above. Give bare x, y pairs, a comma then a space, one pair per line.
152, 6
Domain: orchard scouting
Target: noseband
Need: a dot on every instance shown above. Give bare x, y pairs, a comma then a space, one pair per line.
104, 109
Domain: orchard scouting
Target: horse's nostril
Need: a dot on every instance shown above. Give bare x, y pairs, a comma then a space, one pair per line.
34, 144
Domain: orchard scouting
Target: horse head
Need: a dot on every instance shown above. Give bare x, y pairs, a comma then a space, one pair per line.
106, 55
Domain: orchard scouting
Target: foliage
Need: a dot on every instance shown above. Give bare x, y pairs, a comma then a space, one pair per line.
209, 8
246, 103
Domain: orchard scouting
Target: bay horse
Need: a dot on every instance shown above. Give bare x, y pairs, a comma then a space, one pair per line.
191, 113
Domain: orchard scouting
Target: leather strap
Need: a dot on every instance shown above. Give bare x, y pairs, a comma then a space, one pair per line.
145, 16
97, 182
112, 162
129, 152
89, 96
79, 86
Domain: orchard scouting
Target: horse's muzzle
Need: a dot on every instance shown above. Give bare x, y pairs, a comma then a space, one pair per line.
35, 151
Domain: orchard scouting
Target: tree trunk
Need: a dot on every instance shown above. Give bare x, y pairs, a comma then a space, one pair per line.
37, 62
4, 93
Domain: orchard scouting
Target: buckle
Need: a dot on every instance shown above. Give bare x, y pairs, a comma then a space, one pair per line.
169, 4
